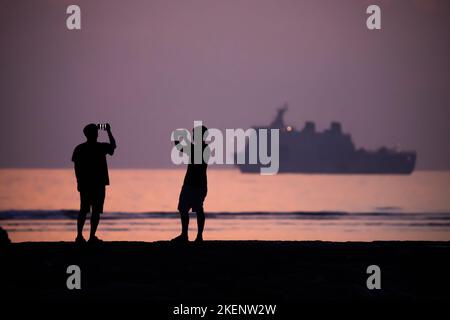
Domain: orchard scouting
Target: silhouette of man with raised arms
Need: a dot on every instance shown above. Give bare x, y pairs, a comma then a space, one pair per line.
91, 170
194, 190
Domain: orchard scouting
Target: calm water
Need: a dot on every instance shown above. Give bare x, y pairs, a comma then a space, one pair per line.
40, 205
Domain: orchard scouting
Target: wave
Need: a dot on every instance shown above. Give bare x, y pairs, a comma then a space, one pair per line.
302, 215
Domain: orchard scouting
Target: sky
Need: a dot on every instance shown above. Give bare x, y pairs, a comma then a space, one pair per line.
149, 67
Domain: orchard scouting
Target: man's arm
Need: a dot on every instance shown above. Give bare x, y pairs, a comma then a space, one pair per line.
76, 166
112, 141
186, 149
178, 145
76, 163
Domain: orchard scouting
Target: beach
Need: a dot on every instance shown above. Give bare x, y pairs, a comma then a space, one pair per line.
227, 272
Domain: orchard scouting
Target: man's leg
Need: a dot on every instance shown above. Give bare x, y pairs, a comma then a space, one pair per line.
80, 223
84, 209
184, 223
95, 219
184, 217
200, 224
97, 209
183, 208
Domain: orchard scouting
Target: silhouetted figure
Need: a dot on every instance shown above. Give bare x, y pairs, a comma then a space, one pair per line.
4, 239
194, 190
91, 170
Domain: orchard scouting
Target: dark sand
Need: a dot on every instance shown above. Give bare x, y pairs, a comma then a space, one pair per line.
228, 271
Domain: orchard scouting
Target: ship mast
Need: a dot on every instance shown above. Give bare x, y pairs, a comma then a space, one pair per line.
278, 122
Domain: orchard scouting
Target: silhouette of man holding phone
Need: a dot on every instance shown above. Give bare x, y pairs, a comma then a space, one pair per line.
194, 190
91, 170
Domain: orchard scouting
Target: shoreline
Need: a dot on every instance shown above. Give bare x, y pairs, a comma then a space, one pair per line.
336, 226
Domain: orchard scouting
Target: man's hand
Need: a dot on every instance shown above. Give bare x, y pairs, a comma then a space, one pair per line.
112, 141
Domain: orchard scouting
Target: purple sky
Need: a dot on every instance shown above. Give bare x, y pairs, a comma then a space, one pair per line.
149, 67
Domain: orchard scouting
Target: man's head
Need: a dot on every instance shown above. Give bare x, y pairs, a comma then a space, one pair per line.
200, 130
91, 132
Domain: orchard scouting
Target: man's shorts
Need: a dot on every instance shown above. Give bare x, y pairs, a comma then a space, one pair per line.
92, 197
191, 198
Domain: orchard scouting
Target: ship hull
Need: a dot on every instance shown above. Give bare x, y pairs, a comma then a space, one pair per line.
402, 163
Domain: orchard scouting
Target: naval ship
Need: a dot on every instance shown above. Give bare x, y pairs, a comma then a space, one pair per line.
330, 151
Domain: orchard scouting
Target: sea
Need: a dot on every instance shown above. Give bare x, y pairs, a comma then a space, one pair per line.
141, 205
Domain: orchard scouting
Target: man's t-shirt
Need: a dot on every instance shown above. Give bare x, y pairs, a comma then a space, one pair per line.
196, 173
91, 168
